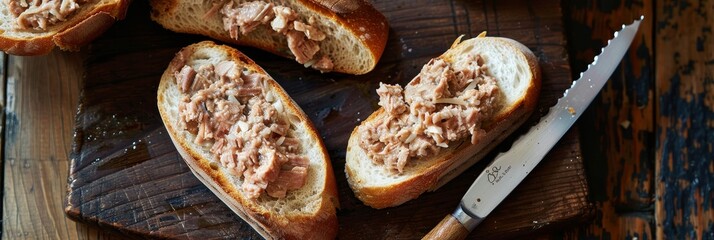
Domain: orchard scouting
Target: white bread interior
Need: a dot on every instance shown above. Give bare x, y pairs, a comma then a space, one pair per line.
517, 73
308, 212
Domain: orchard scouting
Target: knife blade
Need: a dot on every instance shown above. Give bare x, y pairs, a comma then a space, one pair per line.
509, 168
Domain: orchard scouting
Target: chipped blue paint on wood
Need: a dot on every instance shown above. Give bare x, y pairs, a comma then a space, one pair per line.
689, 147
685, 131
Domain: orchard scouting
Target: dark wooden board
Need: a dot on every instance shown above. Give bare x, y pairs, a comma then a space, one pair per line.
126, 176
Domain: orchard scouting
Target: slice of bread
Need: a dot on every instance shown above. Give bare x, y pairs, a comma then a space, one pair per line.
80, 27
356, 33
306, 213
517, 73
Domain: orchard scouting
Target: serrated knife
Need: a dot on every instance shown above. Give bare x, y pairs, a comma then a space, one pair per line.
509, 168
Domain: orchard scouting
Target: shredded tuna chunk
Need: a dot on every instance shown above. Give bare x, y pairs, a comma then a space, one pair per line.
391, 98
283, 16
429, 85
41, 14
216, 7
442, 104
303, 49
324, 64
310, 32
291, 177
302, 38
246, 16
249, 133
184, 78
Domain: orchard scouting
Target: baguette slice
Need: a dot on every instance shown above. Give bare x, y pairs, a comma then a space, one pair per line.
81, 27
356, 33
305, 213
518, 77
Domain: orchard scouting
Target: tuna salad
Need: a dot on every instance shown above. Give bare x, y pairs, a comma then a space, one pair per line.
247, 127
302, 37
41, 14
442, 104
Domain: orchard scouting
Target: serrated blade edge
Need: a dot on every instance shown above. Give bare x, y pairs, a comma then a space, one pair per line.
508, 169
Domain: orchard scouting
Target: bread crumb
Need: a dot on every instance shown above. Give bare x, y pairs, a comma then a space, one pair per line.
571, 110
625, 124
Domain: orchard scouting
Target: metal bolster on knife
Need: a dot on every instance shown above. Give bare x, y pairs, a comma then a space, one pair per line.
469, 221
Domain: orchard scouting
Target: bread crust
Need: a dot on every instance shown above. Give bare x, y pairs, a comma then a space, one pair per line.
321, 225
359, 17
77, 31
450, 162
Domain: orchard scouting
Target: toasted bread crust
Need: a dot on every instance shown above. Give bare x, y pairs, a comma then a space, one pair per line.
268, 224
72, 34
359, 17
450, 162
35, 46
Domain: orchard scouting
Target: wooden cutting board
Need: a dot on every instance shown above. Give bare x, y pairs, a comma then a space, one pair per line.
126, 176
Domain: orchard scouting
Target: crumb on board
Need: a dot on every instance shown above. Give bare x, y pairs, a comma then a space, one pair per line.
571, 110
625, 124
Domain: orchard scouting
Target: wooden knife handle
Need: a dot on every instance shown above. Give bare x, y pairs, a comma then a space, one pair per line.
448, 229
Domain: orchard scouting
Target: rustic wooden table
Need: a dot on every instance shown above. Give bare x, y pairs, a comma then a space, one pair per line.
647, 140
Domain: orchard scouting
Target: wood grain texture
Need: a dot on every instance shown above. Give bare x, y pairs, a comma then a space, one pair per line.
42, 95
448, 229
609, 224
684, 205
125, 175
36, 144
618, 129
